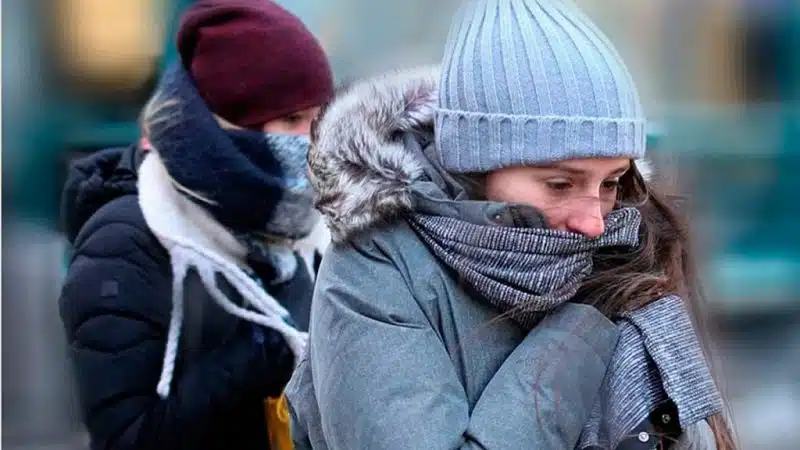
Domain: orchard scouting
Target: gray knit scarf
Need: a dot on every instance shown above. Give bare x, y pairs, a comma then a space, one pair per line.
526, 271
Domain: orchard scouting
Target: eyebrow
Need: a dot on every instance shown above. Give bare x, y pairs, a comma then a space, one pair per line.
575, 171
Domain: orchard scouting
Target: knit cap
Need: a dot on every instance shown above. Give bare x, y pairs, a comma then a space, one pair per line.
532, 82
252, 60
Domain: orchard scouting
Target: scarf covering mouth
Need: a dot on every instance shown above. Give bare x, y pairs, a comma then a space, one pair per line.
251, 182
255, 184
527, 272
524, 272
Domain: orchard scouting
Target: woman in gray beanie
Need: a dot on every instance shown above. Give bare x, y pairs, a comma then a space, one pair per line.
502, 276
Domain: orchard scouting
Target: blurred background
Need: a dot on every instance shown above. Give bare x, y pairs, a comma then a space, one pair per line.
721, 83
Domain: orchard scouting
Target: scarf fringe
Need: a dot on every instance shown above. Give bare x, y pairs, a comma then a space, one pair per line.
272, 315
180, 268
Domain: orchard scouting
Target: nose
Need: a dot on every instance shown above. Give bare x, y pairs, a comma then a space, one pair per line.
588, 222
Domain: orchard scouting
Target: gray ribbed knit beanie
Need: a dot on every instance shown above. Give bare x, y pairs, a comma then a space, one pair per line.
528, 82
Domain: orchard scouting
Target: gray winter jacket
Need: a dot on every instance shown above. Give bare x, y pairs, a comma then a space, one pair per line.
401, 356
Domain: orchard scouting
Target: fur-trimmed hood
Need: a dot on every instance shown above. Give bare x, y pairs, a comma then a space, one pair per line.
359, 163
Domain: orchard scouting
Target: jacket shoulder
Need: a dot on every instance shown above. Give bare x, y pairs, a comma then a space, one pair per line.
396, 245
118, 229
115, 258
383, 265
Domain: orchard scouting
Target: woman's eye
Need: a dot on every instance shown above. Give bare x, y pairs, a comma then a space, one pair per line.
610, 184
559, 185
293, 120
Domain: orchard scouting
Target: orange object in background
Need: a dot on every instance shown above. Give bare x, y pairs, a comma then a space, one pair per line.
108, 44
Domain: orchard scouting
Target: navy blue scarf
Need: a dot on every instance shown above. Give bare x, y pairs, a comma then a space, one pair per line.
253, 183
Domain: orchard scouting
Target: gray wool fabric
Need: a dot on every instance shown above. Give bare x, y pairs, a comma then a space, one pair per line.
527, 272
527, 82
524, 272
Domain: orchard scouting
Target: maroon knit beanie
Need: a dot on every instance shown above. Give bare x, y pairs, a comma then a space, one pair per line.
252, 60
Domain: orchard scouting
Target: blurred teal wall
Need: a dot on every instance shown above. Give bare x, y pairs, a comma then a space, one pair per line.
741, 160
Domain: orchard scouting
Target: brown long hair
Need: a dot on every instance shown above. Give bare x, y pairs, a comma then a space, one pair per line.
662, 264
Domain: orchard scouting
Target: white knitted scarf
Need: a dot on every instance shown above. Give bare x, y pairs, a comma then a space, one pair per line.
194, 239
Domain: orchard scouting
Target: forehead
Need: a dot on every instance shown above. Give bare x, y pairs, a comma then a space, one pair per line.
312, 111
602, 166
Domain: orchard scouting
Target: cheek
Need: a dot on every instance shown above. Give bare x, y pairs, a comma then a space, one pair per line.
524, 190
301, 128
608, 206
274, 127
304, 128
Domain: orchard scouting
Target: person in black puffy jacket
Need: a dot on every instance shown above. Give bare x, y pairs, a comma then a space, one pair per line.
185, 303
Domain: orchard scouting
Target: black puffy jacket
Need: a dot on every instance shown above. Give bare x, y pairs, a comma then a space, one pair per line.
115, 306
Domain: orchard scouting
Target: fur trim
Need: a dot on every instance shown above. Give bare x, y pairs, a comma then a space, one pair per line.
358, 165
